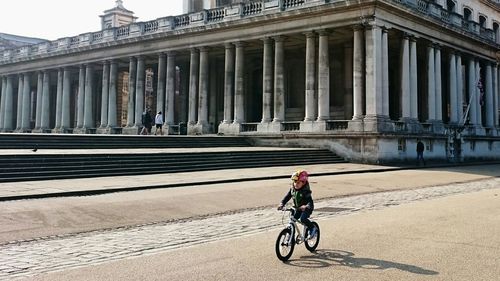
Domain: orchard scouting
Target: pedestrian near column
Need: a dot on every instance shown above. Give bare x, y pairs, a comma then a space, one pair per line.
159, 123
147, 122
420, 152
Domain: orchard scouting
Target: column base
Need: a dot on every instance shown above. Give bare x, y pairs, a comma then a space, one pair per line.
22, 131
199, 128
230, 129
84, 131
269, 127
109, 130
134, 130
378, 124
42, 131
312, 126
355, 125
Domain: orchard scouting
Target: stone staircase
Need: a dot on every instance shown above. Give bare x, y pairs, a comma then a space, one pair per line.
195, 155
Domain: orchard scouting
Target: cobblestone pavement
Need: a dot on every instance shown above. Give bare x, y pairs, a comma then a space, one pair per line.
55, 253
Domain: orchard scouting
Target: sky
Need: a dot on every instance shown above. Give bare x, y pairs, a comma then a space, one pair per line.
53, 19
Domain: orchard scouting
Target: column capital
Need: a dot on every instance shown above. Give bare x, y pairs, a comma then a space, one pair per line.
162, 55
204, 49
310, 34
193, 50
358, 27
171, 53
325, 32
266, 40
240, 44
229, 46
280, 38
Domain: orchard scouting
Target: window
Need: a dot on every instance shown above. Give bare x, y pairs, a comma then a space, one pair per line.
467, 14
450, 6
482, 21
401, 144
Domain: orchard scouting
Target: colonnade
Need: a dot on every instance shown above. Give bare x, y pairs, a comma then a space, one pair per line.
372, 92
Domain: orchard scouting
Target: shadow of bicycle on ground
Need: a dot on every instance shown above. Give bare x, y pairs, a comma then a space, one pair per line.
327, 258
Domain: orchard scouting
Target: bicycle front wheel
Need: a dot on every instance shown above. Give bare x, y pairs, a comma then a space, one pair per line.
285, 244
312, 243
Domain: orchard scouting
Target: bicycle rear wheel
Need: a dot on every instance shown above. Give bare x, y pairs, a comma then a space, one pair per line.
285, 244
312, 244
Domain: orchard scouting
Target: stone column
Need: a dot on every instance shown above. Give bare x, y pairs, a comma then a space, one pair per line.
267, 78
239, 91
452, 84
348, 81
88, 118
460, 90
323, 78
104, 97
113, 92
139, 92
478, 95
497, 94
2, 102
66, 103
439, 90
19, 114
431, 84
473, 98
45, 123
39, 94
160, 89
81, 97
132, 72
8, 124
224, 127
57, 126
405, 79
202, 126
490, 116
25, 124
170, 102
385, 73
193, 87
279, 82
413, 79
310, 95
358, 73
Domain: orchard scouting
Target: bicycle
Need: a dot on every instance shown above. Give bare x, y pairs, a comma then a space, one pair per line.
291, 235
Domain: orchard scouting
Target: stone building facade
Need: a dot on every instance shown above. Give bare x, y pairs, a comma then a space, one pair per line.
363, 78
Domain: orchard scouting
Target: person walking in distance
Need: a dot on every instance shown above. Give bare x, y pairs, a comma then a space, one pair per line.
420, 152
146, 122
159, 123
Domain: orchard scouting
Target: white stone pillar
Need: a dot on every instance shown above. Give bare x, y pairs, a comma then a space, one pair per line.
439, 89
323, 77
348, 81
160, 89
413, 78
478, 95
203, 91
473, 98
25, 124
310, 94
66, 103
358, 73
39, 94
490, 116
431, 84
279, 79
80, 104
2, 102
385, 73
405, 78
139, 91
132, 72
373, 78
113, 93
452, 86
8, 124
88, 118
170, 88
44, 125
239, 90
19, 112
228, 83
267, 78
495, 94
460, 90
57, 126
105, 95
193, 86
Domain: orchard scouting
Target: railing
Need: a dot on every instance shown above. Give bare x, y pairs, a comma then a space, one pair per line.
400, 126
337, 125
249, 127
252, 8
234, 12
123, 31
291, 126
151, 26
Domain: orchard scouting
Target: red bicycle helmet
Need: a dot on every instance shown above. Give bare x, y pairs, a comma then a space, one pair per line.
300, 175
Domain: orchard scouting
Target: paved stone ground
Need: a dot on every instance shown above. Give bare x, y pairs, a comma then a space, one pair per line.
55, 253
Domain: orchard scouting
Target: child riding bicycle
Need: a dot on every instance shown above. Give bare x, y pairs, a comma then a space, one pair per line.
303, 202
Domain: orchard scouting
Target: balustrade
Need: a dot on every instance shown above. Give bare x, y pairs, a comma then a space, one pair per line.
151, 26
123, 31
292, 3
216, 14
337, 125
252, 8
